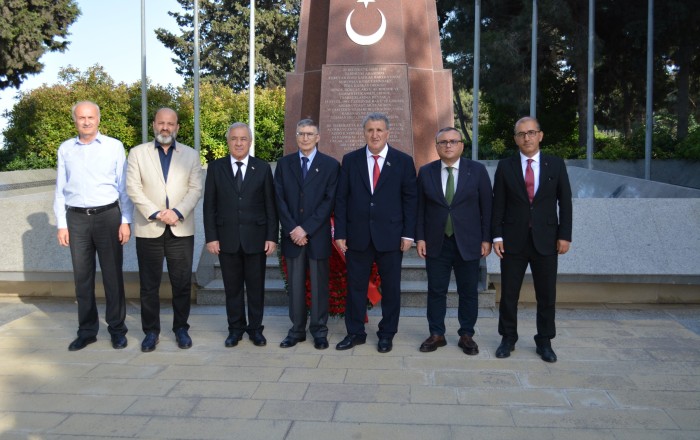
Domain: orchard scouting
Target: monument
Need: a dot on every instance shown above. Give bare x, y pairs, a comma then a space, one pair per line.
359, 56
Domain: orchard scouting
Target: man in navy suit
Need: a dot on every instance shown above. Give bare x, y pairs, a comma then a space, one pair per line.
375, 220
240, 226
453, 232
528, 190
305, 184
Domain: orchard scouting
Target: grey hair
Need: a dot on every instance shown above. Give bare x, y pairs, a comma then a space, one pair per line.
375, 116
308, 122
445, 130
236, 125
526, 119
75, 106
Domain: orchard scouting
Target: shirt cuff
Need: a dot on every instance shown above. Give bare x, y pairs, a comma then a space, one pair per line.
180, 216
154, 215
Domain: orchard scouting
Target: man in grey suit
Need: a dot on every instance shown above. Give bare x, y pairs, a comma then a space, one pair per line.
531, 225
164, 181
305, 183
240, 226
453, 232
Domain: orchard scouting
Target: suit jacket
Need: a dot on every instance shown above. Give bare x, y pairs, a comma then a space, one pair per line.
148, 189
245, 219
381, 218
513, 214
306, 202
470, 208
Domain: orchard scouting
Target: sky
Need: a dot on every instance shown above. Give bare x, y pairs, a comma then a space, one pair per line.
108, 32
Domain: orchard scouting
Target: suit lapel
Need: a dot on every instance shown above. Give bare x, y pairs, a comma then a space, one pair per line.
230, 171
364, 171
295, 168
154, 159
314, 168
518, 175
387, 169
435, 176
464, 175
544, 175
249, 173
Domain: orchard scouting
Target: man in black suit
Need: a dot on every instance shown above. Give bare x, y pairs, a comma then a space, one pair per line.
453, 232
240, 226
375, 220
528, 189
305, 184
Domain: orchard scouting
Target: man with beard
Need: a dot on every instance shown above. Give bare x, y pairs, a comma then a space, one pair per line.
164, 181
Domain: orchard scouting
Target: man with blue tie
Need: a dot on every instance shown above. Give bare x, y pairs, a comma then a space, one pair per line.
305, 184
453, 233
531, 225
375, 220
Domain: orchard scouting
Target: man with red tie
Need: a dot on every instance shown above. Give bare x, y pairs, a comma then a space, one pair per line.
529, 189
375, 221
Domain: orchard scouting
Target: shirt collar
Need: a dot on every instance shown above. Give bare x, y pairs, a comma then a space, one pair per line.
244, 160
535, 158
158, 145
310, 156
455, 165
97, 139
382, 153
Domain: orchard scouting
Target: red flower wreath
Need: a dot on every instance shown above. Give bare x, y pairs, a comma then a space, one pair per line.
338, 282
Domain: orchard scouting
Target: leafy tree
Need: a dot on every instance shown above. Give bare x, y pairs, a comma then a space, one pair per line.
224, 40
28, 30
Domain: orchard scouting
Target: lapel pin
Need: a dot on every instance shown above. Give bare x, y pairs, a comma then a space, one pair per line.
317, 170
388, 163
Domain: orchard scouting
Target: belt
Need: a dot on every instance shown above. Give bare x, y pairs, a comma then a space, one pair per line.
93, 211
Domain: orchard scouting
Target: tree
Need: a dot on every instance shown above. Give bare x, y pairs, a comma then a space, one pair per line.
28, 30
224, 38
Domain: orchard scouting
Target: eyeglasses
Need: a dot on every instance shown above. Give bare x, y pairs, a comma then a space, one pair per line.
303, 134
452, 143
529, 133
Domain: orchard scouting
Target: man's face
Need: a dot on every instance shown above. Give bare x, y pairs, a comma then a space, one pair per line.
449, 146
376, 135
239, 143
165, 126
87, 121
528, 137
307, 138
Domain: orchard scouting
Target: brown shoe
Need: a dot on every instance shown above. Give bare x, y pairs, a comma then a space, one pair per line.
432, 343
468, 345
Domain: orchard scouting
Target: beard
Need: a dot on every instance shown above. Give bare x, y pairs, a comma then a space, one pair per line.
165, 139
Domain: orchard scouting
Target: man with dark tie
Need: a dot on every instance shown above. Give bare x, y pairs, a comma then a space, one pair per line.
531, 225
305, 184
93, 213
453, 233
240, 226
375, 221
164, 181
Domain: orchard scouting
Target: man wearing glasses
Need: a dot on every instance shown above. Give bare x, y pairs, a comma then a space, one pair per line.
453, 232
528, 189
305, 184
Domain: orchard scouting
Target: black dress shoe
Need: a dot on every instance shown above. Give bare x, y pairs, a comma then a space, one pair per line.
350, 341
547, 354
468, 346
233, 339
80, 343
149, 342
432, 343
183, 338
320, 343
290, 341
384, 345
118, 342
258, 339
503, 350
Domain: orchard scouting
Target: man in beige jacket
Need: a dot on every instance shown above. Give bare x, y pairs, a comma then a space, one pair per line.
164, 181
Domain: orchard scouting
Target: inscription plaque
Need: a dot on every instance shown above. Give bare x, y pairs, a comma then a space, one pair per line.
350, 92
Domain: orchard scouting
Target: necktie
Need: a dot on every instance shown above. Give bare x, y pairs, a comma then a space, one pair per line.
530, 180
375, 173
449, 195
304, 167
239, 175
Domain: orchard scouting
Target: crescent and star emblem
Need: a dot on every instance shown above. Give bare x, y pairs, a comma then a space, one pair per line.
365, 40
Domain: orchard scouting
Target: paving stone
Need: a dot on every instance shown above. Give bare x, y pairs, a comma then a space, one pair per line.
590, 398
221, 373
422, 414
656, 399
281, 391
592, 418
227, 408
493, 396
211, 388
358, 393
687, 419
204, 428
85, 424
564, 380
162, 406
355, 431
305, 410
477, 379
29, 423
313, 375
433, 394
105, 387
65, 403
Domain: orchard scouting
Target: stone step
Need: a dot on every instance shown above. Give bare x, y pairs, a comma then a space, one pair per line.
413, 294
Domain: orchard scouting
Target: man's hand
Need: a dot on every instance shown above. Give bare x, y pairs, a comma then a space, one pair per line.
168, 216
270, 247
498, 248
342, 245
213, 247
124, 233
563, 246
406, 244
421, 248
298, 236
63, 238
485, 248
